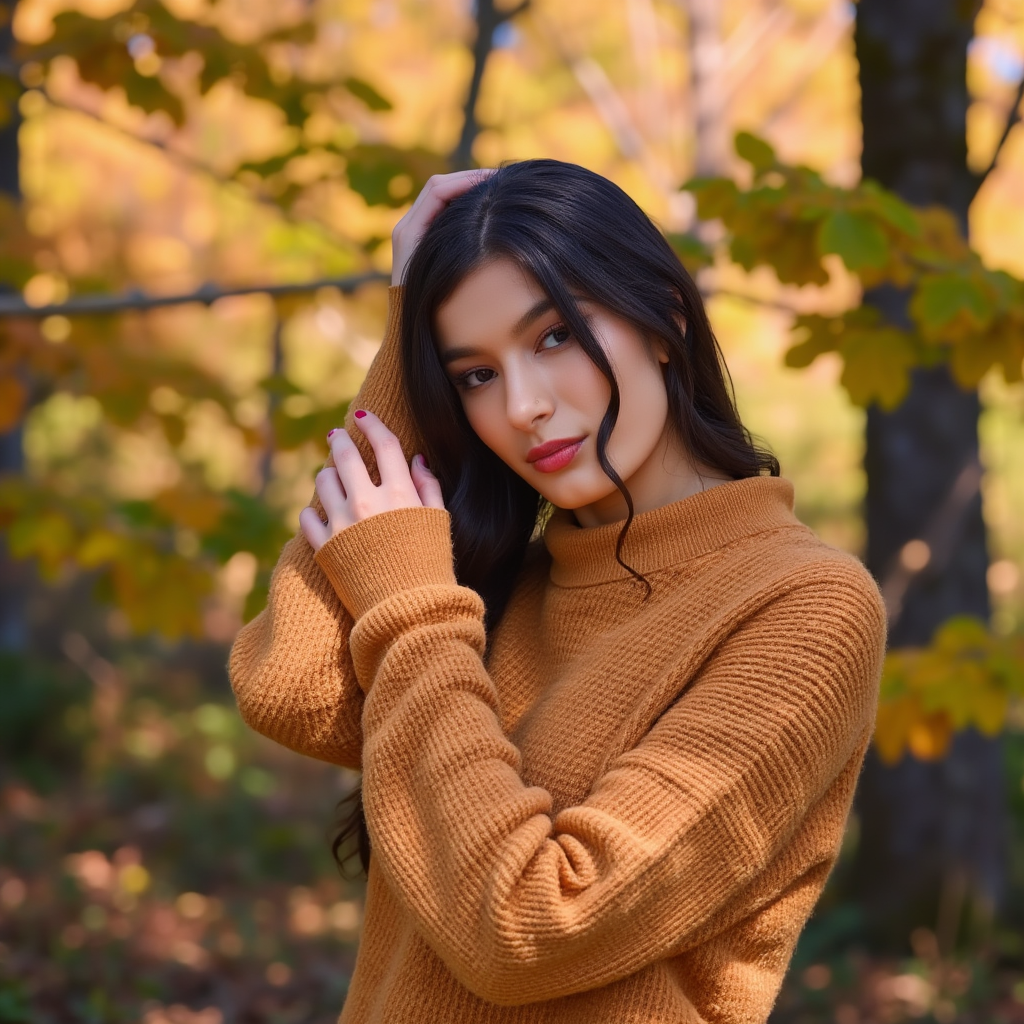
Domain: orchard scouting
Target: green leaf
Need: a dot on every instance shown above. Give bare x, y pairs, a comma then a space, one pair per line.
1001, 345
279, 386
271, 165
362, 90
755, 151
818, 334
716, 197
249, 524
372, 168
692, 252
891, 208
877, 365
860, 242
942, 298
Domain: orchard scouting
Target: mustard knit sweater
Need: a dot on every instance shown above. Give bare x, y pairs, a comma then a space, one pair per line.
626, 811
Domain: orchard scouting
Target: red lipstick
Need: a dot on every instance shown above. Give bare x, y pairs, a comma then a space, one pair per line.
554, 455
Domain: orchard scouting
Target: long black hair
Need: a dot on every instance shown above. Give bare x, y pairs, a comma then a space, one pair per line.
580, 237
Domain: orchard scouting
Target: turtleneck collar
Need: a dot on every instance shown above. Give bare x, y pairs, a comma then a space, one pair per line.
670, 534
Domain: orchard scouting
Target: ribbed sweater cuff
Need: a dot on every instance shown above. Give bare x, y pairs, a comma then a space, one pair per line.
388, 553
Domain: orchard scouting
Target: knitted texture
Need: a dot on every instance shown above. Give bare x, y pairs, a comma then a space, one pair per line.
627, 811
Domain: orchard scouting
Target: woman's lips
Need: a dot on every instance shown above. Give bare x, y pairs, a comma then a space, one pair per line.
556, 458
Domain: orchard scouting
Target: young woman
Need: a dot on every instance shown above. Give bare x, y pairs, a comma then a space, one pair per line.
609, 696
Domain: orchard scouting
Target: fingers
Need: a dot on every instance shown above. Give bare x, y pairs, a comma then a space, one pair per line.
387, 449
330, 491
445, 187
314, 529
349, 496
442, 189
350, 469
439, 190
427, 485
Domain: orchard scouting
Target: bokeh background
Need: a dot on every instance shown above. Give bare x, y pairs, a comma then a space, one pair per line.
196, 199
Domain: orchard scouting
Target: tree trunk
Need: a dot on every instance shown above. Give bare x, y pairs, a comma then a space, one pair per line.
931, 834
14, 576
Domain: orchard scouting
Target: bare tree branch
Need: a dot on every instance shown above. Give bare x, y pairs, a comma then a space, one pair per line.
937, 543
611, 108
709, 103
93, 305
1011, 120
273, 401
488, 19
818, 47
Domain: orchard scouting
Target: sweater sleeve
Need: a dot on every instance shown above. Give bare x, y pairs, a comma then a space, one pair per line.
674, 841
290, 667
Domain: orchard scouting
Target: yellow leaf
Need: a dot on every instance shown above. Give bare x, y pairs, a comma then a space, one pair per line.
1001, 345
962, 634
877, 366
98, 547
191, 508
941, 234
990, 707
892, 726
929, 736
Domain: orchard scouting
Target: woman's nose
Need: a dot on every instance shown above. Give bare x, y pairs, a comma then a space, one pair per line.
528, 402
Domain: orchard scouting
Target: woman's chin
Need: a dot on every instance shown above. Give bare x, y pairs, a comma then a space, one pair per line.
572, 499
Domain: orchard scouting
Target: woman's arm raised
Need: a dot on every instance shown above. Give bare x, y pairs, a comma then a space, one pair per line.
685, 835
290, 666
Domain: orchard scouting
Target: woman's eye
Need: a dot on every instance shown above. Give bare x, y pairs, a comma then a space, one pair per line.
555, 337
474, 378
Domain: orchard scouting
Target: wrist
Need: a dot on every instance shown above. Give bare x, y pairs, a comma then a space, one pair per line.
393, 551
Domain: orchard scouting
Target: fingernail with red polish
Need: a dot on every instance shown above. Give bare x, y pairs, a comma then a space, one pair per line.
333, 430
423, 461
360, 413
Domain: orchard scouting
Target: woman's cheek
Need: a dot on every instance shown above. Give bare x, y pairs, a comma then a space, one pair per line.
484, 418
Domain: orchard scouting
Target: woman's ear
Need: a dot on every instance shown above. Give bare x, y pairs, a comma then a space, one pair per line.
661, 349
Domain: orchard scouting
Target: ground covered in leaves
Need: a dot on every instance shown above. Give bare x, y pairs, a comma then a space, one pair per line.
161, 864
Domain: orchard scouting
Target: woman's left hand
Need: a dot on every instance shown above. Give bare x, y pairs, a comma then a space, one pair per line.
349, 496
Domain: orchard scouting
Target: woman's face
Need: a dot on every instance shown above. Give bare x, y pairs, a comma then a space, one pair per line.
534, 397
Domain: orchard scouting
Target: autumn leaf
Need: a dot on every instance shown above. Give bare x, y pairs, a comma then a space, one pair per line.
856, 239
876, 366
890, 208
715, 197
950, 303
1001, 345
191, 508
990, 710
755, 151
929, 737
99, 547
966, 677
818, 334
892, 727
362, 90
692, 252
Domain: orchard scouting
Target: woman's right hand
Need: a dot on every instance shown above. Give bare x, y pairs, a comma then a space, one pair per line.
436, 194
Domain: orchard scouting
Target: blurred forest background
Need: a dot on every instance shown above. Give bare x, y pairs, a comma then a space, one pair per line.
196, 199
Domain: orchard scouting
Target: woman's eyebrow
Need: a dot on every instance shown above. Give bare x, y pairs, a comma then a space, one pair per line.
541, 306
450, 355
